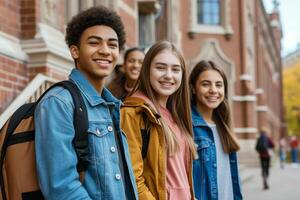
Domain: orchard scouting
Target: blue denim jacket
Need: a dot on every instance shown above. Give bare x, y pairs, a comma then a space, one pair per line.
55, 155
205, 167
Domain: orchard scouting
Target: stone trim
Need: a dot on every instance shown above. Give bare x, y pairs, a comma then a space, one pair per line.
262, 108
250, 98
259, 91
48, 49
246, 77
245, 130
174, 32
11, 47
211, 50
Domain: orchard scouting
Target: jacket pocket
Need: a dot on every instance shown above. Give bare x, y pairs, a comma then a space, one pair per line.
99, 135
203, 150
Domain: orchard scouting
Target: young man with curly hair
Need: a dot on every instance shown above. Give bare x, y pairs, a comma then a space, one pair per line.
95, 38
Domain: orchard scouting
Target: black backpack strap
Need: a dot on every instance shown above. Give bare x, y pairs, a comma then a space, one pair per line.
80, 123
14, 121
80, 140
145, 136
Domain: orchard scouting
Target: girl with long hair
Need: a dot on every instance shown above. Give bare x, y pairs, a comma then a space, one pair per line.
160, 105
127, 74
215, 172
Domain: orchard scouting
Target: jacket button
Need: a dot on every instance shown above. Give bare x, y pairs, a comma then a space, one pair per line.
98, 132
113, 149
109, 128
118, 176
215, 165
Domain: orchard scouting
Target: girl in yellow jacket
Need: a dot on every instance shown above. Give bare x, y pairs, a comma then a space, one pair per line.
160, 106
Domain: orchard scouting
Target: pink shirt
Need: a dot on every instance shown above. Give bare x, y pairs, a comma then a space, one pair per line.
177, 182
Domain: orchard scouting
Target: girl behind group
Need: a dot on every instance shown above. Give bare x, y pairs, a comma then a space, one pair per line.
215, 172
126, 77
161, 99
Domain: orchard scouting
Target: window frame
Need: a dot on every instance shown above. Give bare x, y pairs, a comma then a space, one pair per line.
223, 28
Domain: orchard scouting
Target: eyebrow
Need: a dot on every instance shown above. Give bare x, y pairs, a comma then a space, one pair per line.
164, 64
100, 38
211, 81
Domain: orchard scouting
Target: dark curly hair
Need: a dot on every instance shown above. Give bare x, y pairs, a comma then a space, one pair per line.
98, 15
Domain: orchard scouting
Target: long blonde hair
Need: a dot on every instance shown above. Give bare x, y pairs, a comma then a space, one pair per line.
178, 103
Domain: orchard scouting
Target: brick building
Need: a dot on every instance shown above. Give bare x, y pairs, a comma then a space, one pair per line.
237, 34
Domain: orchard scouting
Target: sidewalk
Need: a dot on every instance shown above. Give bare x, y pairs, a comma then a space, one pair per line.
284, 183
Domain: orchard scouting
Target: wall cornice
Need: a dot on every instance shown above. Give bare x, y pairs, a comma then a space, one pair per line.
11, 47
48, 49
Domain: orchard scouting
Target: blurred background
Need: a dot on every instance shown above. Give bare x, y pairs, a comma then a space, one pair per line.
257, 43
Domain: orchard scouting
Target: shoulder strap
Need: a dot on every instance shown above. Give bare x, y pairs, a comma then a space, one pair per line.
145, 136
80, 122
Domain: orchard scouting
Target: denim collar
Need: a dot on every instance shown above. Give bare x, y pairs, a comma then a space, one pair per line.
90, 92
197, 117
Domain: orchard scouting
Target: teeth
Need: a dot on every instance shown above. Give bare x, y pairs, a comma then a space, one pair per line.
102, 61
135, 71
212, 98
166, 84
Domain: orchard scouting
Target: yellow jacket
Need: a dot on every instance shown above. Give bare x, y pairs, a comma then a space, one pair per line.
150, 173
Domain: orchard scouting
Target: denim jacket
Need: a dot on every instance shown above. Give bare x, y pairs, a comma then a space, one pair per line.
205, 167
56, 157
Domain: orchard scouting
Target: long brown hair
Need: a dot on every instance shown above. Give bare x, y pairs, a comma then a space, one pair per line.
178, 103
221, 114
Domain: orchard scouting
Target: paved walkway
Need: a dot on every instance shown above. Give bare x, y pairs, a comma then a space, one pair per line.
284, 184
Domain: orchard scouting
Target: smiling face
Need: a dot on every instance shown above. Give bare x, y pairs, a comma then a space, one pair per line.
209, 90
97, 53
133, 64
165, 75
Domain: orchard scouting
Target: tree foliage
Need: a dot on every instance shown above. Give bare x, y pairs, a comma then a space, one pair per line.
291, 92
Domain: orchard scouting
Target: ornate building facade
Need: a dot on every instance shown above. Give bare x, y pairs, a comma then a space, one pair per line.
237, 34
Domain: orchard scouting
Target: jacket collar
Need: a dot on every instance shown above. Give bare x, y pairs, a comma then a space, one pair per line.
90, 92
142, 104
197, 117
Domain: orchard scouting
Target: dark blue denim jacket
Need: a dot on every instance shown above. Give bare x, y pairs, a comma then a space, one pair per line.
56, 158
205, 167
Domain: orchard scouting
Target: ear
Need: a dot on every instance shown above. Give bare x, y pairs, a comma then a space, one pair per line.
74, 50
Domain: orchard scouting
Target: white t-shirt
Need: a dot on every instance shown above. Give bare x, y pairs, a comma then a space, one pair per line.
224, 180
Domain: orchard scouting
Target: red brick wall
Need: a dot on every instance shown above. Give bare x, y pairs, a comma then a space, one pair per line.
10, 17
130, 28
13, 79
55, 74
28, 18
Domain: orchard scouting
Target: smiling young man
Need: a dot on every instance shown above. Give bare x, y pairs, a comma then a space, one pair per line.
95, 38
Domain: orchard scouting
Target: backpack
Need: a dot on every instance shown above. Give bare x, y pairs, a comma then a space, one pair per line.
18, 176
261, 145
